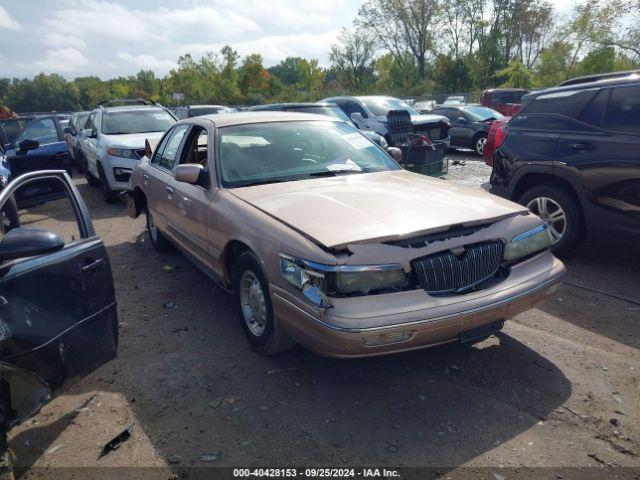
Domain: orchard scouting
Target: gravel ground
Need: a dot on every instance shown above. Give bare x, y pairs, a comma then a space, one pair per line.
560, 387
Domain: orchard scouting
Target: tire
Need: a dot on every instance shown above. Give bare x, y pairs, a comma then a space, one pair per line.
79, 162
157, 239
478, 143
109, 195
91, 180
558, 210
252, 295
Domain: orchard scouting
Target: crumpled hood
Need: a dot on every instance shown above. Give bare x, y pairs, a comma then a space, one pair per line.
337, 211
132, 140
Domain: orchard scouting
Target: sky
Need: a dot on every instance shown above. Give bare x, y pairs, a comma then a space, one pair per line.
110, 38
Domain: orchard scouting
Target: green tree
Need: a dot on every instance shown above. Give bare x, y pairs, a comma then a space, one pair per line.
516, 75
352, 59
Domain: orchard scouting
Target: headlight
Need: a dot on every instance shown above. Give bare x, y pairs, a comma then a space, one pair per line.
526, 243
122, 152
340, 279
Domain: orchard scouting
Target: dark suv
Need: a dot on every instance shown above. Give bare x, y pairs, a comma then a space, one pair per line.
572, 156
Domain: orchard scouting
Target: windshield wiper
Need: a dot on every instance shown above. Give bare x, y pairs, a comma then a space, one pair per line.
263, 182
333, 173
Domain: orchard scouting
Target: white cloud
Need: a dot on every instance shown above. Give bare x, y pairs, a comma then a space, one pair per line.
6, 22
62, 60
57, 39
147, 62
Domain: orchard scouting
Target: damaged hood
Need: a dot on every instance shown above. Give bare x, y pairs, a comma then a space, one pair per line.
337, 211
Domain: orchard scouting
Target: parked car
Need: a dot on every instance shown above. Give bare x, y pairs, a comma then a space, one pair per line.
187, 111
571, 156
113, 141
469, 124
72, 135
425, 106
320, 108
455, 100
39, 146
52, 331
507, 101
494, 139
370, 113
326, 241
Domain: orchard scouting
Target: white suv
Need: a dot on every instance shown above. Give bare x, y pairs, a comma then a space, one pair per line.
113, 142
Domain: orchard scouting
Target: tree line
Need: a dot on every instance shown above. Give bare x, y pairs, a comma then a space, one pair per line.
395, 47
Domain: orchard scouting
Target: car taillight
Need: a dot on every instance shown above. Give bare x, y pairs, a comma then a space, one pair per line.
497, 135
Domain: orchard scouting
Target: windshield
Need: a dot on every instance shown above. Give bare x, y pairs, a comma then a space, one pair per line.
335, 112
482, 113
286, 151
381, 106
136, 121
197, 111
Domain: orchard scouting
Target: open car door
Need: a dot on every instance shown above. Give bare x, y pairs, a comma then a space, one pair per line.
58, 316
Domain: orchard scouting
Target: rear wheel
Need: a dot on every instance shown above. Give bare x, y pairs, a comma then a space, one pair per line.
109, 195
479, 142
256, 312
158, 240
558, 210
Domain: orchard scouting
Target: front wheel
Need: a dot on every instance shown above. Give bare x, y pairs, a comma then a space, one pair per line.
256, 311
559, 211
158, 240
478, 144
109, 195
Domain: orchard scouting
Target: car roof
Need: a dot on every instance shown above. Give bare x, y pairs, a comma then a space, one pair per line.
293, 105
590, 82
491, 90
204, 106
127, 108
258, 116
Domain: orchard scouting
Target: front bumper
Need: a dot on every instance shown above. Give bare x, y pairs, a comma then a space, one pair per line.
384, 324
118, 183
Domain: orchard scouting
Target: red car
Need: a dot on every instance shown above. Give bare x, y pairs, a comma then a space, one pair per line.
507, 101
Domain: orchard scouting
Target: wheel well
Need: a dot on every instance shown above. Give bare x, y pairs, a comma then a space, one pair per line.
231, 253
140, 199
538, 179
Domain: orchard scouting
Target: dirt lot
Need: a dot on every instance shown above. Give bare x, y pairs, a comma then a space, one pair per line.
559, 388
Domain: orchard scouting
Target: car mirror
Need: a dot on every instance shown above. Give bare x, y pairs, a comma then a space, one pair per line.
395, 153
188, 173
27, 145
26, 242
68, 130
357, 118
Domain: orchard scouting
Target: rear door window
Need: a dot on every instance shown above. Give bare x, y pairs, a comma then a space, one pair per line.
594, 111
568, 103
623, 112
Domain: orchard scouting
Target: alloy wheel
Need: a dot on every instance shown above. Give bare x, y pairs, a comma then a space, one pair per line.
253, 303
552, 214
151, 226
480, 144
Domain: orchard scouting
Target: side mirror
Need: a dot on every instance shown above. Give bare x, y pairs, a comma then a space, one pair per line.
28, 144
68, 130
357, 118
395, 153
188, 173
26, 242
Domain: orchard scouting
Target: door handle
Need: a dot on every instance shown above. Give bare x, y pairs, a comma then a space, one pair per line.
91, 264
169, 190
581, 146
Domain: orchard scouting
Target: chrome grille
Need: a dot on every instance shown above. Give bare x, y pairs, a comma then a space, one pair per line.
445, 272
